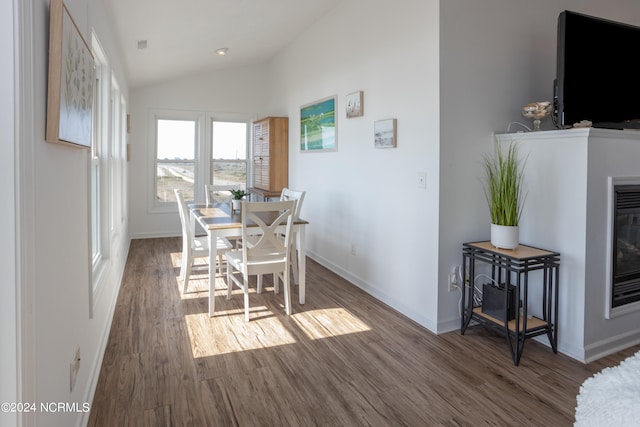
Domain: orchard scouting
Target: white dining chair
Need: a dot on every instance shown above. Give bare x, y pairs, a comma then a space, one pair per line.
195, 247
264, 250
298, 196
219, 193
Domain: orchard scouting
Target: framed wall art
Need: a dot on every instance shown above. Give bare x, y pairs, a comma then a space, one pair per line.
318, 127
385, 133
71, 77
354, 105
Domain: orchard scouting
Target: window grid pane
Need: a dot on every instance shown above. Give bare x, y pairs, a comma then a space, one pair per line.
175, 161
176, 174
229, 172
229, 153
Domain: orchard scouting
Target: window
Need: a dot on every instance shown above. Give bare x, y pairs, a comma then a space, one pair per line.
114, 150
229, 153
193, 149
95, 175
99, 160
107, 172
176, 158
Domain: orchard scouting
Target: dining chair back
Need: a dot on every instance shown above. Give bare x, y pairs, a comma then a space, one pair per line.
264, 249
298, 196
219, 193
195, 247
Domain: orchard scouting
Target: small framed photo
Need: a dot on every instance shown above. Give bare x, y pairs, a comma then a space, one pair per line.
385, 133
354, 105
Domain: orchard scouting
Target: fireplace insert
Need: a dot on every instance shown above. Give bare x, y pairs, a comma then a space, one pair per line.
626, 245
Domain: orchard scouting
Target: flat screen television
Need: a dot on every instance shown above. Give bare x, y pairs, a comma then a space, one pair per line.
598, 72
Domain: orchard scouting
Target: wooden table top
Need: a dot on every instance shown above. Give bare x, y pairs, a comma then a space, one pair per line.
219, 216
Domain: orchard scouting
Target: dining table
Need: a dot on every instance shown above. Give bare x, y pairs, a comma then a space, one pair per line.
220, 220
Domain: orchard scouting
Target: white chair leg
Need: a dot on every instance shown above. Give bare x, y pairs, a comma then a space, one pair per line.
229, 282
187, 274
246, 298
220, 264
276, 289
287, 293
259, 281
294, 259
183, 266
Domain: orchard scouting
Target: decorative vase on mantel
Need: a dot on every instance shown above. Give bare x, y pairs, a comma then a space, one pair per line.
505, 236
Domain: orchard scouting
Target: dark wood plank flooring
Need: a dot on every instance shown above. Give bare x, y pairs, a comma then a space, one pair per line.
342, 359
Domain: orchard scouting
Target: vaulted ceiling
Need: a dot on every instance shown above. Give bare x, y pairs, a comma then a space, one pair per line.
182, 35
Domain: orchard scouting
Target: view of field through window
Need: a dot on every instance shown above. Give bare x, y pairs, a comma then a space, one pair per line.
229, 153
177, 163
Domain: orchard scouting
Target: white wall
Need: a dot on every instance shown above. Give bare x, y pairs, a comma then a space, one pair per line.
53, 207
496, 56
555, 218
238, 94
361, 196
8, 291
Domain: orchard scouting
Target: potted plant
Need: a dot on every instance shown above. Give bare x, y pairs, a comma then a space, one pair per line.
238, 195
504, 193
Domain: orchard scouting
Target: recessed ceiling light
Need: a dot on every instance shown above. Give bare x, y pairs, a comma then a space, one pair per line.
222, 51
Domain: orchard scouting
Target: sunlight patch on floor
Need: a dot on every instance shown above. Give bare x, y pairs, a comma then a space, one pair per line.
329, 322
259, 333
230, 333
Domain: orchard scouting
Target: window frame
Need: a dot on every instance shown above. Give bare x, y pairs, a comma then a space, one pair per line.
106, 170
248, 149
100, 164
203, 152
154, 205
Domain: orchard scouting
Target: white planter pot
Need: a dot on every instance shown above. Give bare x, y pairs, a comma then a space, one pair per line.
236, 204
504, 236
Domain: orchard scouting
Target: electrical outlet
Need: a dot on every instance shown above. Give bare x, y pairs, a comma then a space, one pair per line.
453, 278
74, 368
353, 249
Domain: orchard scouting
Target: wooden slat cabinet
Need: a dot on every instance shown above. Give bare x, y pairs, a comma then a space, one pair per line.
271, 153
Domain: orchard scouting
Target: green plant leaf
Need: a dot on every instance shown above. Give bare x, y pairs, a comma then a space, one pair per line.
503, 186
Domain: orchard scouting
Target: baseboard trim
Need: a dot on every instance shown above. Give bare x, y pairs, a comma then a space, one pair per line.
374, 292
97, 365
154, 235
611, 345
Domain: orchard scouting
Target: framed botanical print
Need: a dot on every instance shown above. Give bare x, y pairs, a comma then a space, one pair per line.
71, 79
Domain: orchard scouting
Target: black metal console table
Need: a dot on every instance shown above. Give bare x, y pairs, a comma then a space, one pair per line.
510, 269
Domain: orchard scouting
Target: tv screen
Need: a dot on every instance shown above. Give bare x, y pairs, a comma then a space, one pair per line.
598, 72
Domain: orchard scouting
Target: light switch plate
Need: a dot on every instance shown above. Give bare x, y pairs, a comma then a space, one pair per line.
421, 180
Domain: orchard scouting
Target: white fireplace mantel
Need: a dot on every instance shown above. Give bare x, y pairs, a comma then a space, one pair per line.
567, 176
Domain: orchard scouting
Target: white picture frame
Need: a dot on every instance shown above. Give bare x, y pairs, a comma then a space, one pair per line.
385, 133
354, 104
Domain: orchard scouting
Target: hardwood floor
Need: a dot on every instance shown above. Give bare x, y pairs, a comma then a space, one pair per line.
342, 359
